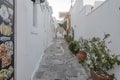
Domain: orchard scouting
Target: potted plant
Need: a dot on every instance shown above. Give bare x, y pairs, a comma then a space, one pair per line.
1, 78
74, 47
81, 55
100, 61
84, 47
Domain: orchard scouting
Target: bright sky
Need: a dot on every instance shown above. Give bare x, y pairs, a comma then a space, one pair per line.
63, 6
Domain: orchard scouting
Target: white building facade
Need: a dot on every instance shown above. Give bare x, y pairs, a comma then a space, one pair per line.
104, 17
34, 30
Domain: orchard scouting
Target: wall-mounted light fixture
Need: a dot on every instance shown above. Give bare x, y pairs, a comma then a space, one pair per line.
33, 0
38, 1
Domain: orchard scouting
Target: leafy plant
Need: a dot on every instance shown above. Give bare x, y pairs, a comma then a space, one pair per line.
64, 25
70, 37
99, 57
74, 47
84, 45
72, 31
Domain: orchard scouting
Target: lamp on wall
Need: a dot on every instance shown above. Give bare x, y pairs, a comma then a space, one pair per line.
71, 3
33, 0
38, 1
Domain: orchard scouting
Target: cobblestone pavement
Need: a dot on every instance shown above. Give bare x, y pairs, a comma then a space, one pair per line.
58, 63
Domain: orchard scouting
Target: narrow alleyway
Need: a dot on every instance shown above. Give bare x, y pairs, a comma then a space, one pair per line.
59, 64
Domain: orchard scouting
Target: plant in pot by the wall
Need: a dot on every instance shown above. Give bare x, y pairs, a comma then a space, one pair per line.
74, 47
84, 48
100, 60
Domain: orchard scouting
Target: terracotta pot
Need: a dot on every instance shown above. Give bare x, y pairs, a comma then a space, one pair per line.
1, 78
95, 76
81, 55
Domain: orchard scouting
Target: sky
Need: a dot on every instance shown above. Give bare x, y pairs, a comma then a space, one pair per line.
63, 6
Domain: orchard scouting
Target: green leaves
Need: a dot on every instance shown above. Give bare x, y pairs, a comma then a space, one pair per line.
98, 53
74, 47
70, 37
64, 25
106, 36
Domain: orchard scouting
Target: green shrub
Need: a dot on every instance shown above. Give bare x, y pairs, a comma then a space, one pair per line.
99, 57
69, 38
74, 47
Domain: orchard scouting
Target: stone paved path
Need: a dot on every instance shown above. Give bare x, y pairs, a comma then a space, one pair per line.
59, 64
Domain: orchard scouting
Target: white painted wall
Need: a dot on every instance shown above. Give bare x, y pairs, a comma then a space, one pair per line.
103, 19
31, 40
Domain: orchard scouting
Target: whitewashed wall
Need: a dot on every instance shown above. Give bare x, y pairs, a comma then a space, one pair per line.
103, 19
31, 41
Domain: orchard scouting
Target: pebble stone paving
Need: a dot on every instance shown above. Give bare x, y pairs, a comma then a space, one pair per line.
58, 63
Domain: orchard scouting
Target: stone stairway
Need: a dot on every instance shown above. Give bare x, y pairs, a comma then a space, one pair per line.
58, 63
